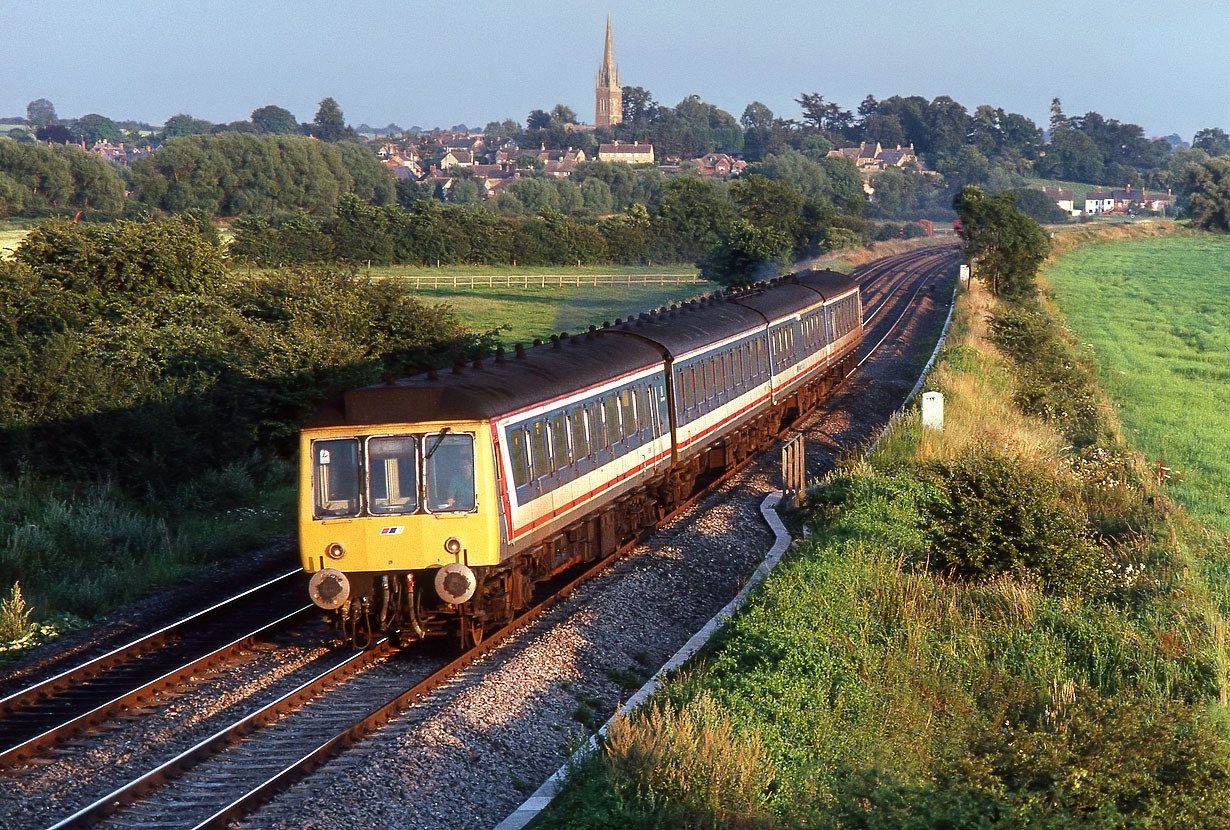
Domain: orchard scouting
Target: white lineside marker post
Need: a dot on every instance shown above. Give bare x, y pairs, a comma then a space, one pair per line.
965, 276
933, 410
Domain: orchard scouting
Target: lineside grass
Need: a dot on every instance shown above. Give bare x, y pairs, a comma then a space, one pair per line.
999, 625
80, 551
1154, 317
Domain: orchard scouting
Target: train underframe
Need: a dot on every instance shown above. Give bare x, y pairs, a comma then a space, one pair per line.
415, 605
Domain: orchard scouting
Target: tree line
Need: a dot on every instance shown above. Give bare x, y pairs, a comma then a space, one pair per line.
688, 219
228, 174
43, 124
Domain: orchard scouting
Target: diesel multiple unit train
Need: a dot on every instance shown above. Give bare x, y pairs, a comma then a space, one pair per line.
434, 504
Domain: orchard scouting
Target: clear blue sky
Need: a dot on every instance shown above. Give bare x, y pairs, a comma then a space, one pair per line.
431, 63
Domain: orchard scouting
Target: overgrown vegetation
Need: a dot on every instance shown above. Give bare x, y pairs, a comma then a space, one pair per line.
989, 627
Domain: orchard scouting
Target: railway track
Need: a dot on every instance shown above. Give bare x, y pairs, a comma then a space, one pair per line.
225, 775
45, 714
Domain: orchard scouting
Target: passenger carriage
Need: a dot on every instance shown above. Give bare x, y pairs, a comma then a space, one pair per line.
436, 503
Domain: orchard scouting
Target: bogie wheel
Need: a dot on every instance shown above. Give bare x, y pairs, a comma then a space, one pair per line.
471, 632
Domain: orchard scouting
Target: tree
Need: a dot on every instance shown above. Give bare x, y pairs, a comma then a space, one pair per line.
747, 254
181, 125
96, 184
274, 119
537, 120
885, 129
825, 117
948, 126
1213, 141
1073, 155
768, 204
93, 128
1207, 193
1004, 245
40, 112
329, 125
638, 105
1059, 121
696, 212
563, 114
54, 134
596, 195
1038, 206
757, 122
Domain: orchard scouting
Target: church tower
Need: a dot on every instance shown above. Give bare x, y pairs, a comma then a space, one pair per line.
609, 96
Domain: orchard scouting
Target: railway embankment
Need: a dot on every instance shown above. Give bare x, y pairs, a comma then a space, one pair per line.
1004, 622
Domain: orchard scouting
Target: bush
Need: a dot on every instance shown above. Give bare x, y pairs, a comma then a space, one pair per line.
1051, 382
991, 514
131, 257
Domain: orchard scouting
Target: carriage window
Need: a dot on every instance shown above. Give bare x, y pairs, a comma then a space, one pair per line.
596, 430
392, 485
580, 435
628, 410
335, 477
449, 470
611, 415
540, 459
559, 440
517, 457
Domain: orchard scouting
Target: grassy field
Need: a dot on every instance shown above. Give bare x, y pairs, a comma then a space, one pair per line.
523, 314
1155, 317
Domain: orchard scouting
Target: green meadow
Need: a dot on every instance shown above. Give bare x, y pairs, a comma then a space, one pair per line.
1154, 316
523, 314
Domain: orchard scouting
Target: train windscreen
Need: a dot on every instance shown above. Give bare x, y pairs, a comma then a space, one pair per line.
335, 477
449, 472
392, 480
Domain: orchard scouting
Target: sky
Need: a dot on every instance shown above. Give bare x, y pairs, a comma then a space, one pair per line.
437, 64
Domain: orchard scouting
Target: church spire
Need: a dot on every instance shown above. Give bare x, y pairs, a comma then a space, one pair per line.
608, 72
608, 107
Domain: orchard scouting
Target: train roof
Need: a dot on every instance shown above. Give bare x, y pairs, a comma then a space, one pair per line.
491, 387
713, 319
494, 387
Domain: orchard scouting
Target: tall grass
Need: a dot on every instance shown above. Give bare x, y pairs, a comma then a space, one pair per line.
82, 551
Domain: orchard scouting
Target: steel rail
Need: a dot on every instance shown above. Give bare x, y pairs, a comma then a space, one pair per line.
924, 276
175, 677
97, 665
21, 704
921, 267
